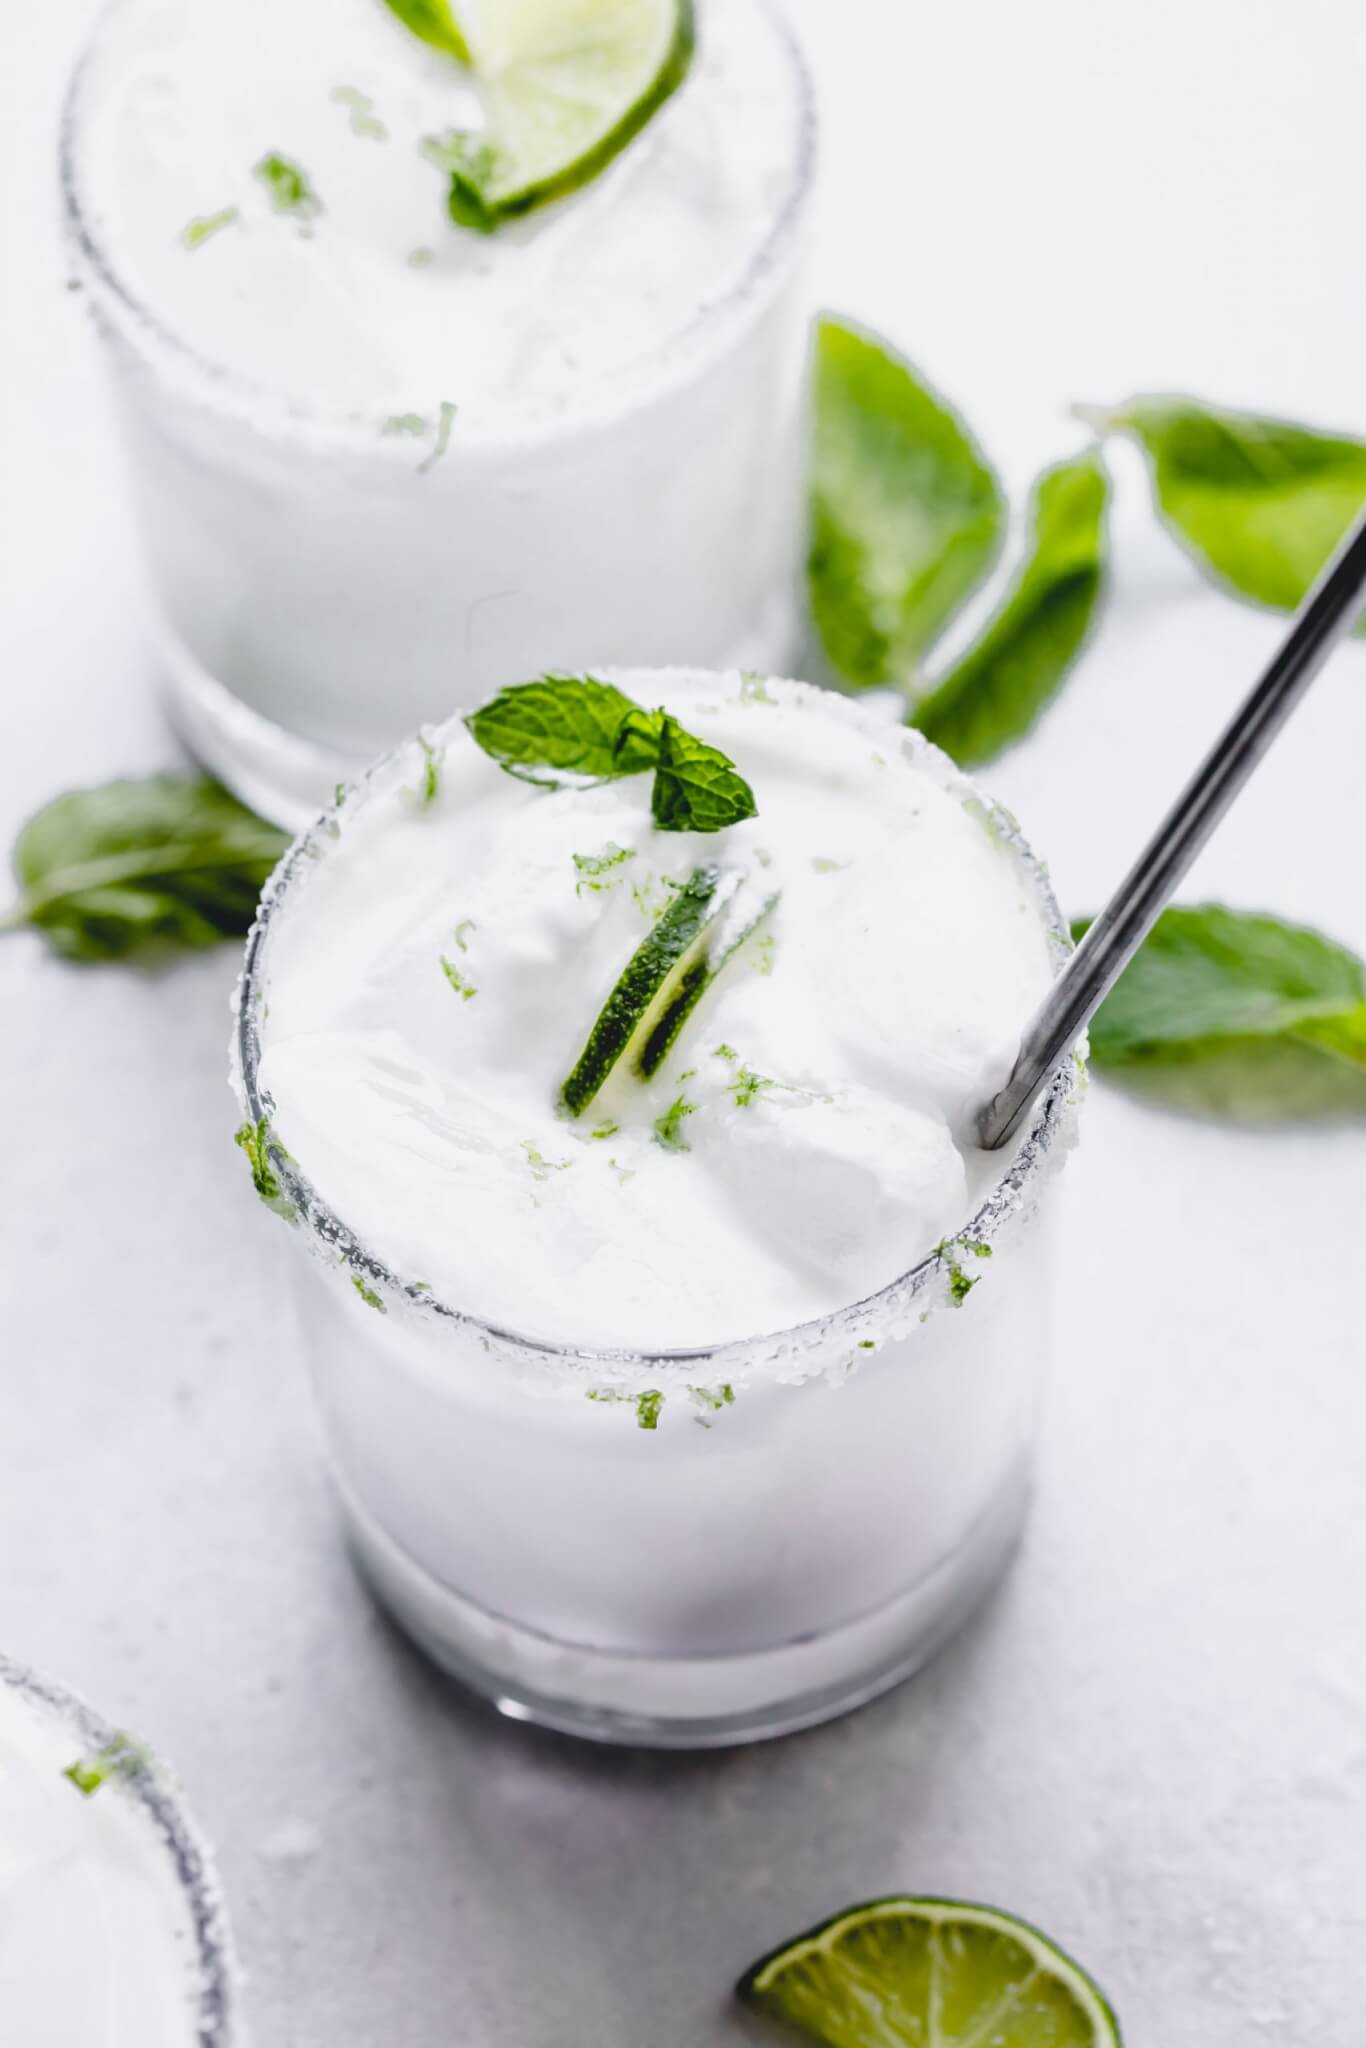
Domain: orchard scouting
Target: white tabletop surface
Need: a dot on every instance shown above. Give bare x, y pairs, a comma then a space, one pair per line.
1154, 1741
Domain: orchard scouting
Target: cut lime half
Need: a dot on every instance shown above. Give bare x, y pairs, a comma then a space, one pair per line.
930, 1973
565, 85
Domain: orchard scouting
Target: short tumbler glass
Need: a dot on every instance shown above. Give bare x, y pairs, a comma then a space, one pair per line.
680, 1548
321, 593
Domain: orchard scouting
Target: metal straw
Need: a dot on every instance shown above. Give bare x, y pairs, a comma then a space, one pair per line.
1111, 942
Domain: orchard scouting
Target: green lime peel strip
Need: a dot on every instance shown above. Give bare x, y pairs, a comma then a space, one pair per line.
662, 969
903, 1972
725, 935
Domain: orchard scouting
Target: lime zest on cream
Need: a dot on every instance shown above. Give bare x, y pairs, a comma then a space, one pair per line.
289, 187
461, 983
204, 226
119, 1757
361, 108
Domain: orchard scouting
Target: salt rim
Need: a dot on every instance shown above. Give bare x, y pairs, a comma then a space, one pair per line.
262, 409
146, 1781
832, 1344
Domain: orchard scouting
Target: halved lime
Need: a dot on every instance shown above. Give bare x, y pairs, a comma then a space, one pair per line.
648, 980
930, 1973
565, 84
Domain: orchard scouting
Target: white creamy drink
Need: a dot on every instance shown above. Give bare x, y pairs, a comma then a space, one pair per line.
707, 1408
110, 1928
382, 462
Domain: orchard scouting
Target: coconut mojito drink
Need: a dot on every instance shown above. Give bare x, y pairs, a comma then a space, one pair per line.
678, 1354
383, 460
111, 1929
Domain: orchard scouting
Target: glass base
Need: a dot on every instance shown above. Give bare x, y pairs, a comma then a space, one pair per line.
688, 1702
276, 773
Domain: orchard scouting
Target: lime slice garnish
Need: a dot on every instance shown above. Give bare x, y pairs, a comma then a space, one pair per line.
565, 85
724, 936
930, 1973
649, 979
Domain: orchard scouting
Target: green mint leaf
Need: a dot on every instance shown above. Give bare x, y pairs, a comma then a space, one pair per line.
565, 723
637, 743
288, 186
906, 514
581, 729
1238, 1015
135, 867
1260, 503
434, 23
196, 232
993, 696
696, 788
648, 1406
121, 1756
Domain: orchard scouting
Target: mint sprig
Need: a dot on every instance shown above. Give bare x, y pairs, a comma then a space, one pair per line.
572, 730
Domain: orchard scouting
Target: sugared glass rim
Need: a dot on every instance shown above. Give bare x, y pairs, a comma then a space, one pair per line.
506, 422
218, 2019
895, 1307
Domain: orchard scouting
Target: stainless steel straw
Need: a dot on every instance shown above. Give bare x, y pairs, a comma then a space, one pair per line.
1106, 950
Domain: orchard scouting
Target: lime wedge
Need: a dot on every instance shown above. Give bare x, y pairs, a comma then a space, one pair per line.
930, 1973
647, 983
565, 85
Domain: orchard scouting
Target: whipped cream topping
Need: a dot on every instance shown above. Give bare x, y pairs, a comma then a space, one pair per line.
431, 979
376, 303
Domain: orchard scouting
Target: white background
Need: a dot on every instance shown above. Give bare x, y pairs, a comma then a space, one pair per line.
1154, 1742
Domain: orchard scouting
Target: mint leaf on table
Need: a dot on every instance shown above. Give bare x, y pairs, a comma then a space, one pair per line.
1260, 503
433, 22
575, 729
140, 866
994, 694
1238, 1014
696, 788
906, 514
